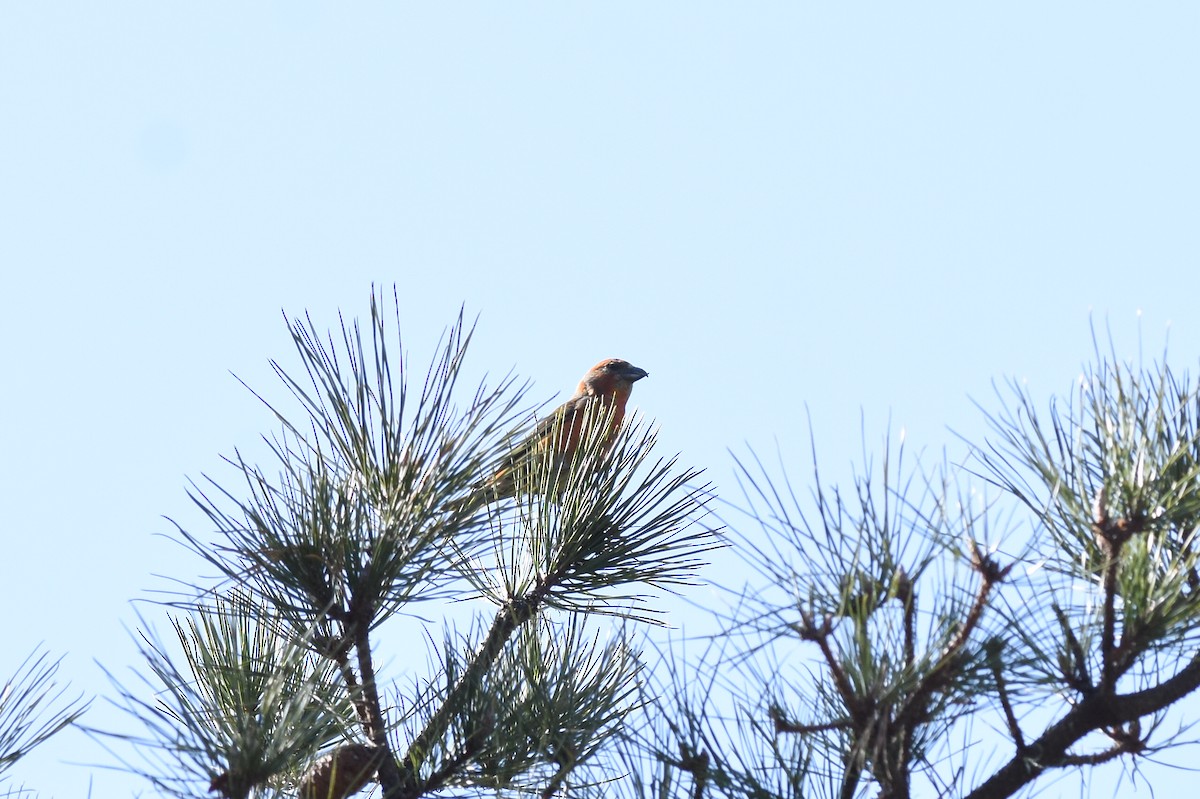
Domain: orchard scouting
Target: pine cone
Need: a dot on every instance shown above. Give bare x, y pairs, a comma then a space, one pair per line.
343, 772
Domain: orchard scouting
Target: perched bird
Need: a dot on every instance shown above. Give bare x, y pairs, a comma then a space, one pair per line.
600, 397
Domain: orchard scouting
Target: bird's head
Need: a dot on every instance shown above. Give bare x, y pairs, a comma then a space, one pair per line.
610, 376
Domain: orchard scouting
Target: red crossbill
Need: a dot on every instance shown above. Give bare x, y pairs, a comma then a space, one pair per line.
600, 397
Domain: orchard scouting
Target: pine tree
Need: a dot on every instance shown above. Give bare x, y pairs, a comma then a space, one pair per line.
270, 682
968, 630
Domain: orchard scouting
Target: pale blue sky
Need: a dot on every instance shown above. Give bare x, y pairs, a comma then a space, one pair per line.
876, 208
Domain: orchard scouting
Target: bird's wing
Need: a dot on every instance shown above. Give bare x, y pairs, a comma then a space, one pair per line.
553, 427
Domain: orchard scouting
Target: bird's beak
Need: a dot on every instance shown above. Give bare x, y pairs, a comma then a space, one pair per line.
634, 374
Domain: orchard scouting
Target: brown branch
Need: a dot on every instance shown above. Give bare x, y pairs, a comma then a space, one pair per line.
696, 765
699, 773
852, 776
450, 767
509, 618
1151, 700
809, 631
1081, 681
1095, 712
782, 725
566, 765
1111, 535
907, 596
370, 709
914, 710
1125, 741
1096, 758
515, 613
1112, 563
361, 709
897, 785
1014, 729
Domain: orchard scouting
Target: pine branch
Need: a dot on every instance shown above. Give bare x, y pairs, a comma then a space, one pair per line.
371, 710
1094, 713
507, 620
33, 708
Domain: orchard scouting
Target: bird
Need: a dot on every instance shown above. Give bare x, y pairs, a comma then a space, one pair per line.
600, 397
